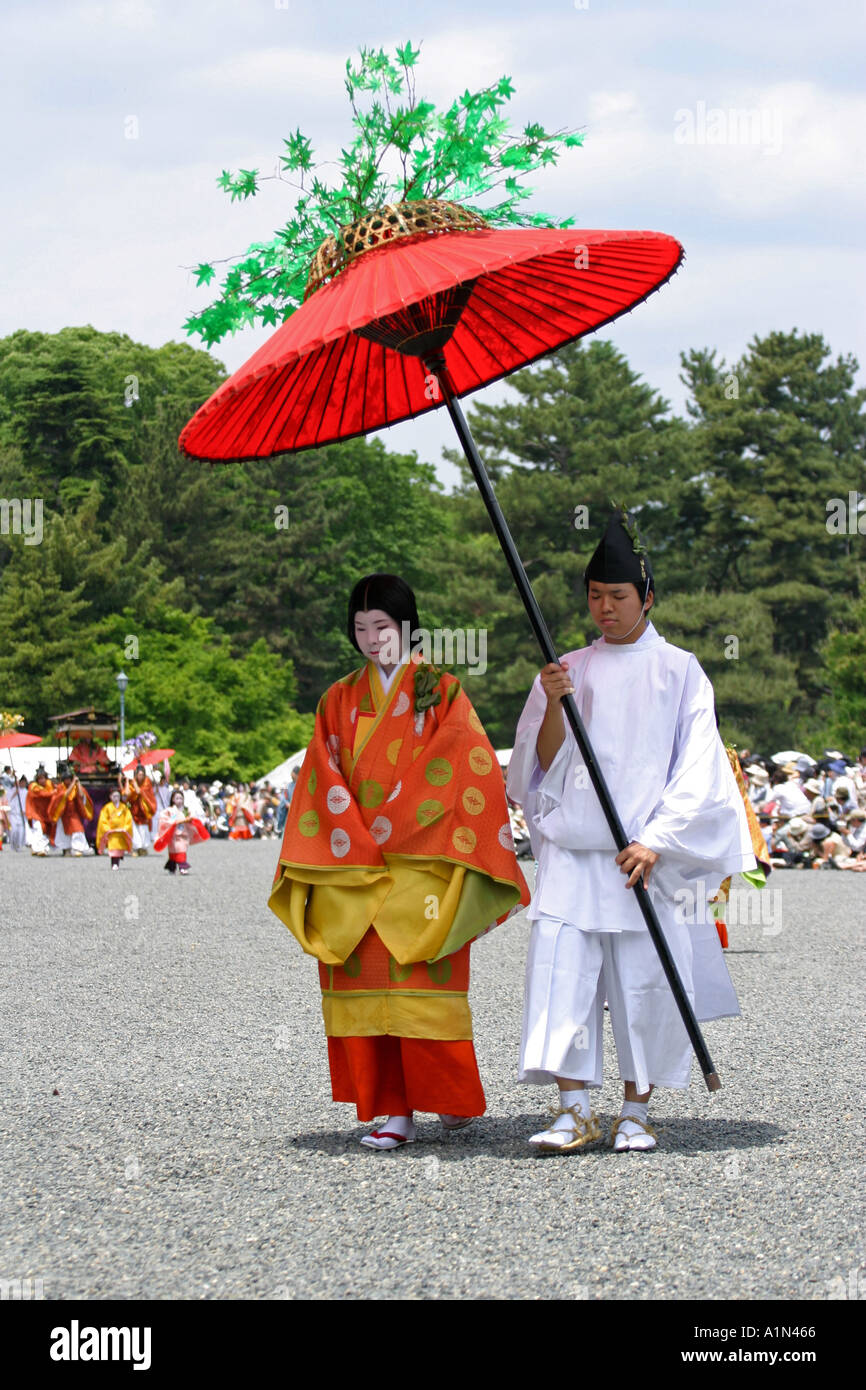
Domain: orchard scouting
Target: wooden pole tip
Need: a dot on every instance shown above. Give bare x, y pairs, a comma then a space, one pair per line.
713, 1082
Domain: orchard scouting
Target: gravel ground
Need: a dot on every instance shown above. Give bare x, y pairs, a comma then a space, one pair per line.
167, 1130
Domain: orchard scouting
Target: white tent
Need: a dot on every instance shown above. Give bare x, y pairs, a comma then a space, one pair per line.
281, 776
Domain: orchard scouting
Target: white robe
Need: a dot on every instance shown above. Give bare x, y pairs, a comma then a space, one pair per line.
20, 833
648, 710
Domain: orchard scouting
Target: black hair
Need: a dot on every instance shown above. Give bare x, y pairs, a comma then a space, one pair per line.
387, 592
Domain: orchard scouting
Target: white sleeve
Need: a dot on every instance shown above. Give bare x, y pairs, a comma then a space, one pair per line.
699, 820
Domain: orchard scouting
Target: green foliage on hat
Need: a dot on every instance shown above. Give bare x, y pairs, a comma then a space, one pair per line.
630, 529
403, 150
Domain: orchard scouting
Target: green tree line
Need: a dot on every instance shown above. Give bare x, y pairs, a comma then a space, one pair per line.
232, 580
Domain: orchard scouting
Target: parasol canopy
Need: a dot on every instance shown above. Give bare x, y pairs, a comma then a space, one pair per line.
510, 296
11, 740
146, 759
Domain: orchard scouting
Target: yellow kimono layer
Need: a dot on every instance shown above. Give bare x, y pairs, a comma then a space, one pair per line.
397, 853
114, 829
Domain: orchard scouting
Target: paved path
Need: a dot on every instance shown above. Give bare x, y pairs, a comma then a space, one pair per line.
193, 1152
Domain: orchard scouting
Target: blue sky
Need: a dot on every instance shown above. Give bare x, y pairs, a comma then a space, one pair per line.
99, 228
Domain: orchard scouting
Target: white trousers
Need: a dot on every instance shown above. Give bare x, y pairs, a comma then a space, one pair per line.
570, 973
39, 843
77, 841
141, 836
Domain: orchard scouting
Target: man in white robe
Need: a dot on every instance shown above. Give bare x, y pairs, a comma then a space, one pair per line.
649, 712
19, 831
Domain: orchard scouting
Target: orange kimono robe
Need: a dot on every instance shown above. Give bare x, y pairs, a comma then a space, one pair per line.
71, 811
37, 804
397, 853
241, 816
141, 801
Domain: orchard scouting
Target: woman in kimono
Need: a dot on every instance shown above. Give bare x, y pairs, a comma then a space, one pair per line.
241, 814
397, 853
114, 829
177, 831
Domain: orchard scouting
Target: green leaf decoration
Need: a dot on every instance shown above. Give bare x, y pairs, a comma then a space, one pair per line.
637, 544
402, 150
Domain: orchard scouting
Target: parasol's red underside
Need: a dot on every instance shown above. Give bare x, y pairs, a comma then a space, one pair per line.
316, 381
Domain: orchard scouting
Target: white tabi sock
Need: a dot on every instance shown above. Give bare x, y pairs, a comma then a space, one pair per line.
630, 1135
579, 1100
636, 1109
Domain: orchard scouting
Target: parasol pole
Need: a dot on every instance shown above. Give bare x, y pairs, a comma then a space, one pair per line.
435, 363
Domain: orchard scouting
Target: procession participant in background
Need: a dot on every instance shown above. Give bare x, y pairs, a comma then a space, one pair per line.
69, 808
285, 802
177, 831
140, 796
756, 878
192, 800
114, 829
5, 825
649, 712
241, 814
39, 795
19, 831
397, 854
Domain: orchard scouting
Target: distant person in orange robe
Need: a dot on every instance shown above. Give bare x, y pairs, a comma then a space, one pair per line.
68, 809
39, 795
140, 796
241, 814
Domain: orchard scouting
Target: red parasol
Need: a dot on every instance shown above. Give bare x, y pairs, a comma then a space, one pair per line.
524, 292
146, 759
13, 740
416, 305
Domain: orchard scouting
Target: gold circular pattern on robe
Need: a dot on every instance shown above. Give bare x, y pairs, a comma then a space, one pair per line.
309, 823
312, 782
429, 811
480, 761
438, 771
392, 752
474, 801
464, 839
474, 722
398, 972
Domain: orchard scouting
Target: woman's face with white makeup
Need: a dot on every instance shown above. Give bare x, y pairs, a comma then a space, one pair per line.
375, 630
